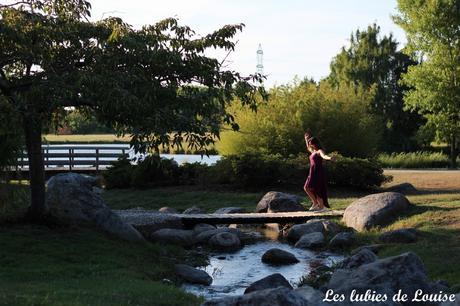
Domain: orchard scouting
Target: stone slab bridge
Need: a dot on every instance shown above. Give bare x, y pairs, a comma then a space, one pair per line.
151, 220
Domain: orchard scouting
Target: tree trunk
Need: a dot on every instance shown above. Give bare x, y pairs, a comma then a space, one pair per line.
33, 136
453, 152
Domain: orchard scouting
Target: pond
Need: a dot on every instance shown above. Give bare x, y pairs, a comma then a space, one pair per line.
232, 273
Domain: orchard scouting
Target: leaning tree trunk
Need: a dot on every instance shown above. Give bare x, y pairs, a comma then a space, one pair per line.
33, 137
453, 152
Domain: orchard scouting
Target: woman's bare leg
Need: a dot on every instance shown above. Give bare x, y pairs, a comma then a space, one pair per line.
312, 197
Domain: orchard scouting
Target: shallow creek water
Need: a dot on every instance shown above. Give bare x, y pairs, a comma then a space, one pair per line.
232, 273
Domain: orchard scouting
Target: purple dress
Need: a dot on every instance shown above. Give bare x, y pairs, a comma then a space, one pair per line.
316, 180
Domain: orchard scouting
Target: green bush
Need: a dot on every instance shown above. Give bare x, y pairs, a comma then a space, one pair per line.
338, 117
119, 174
243, 171
251, 170
414, 160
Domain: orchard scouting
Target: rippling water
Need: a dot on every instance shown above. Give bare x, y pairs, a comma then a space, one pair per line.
233, 273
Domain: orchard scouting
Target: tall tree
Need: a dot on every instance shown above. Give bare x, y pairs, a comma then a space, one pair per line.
433, 32
373, 61
155, 83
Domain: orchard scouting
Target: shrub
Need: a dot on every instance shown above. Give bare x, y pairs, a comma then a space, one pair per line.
413, 160
155, 171
119, 174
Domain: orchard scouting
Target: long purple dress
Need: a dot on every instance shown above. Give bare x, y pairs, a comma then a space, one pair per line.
316, 180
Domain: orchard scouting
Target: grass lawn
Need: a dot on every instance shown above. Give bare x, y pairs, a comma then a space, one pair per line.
70, 266
90, 138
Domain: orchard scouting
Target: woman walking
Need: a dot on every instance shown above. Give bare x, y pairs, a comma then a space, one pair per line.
315, 186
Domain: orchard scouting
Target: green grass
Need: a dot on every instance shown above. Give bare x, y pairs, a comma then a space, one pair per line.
414, 160
69, 266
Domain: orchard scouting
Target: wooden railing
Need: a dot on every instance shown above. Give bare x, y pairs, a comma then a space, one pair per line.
72, 157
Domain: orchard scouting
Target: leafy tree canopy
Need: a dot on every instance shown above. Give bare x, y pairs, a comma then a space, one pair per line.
374, 60
146, 82
433, 32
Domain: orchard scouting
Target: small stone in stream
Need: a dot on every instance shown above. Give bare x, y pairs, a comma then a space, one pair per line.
403, 235
310, 241
221, 257
168, 210
272, 281
193, 275
225, 241
298, 230
372, 247
279, 257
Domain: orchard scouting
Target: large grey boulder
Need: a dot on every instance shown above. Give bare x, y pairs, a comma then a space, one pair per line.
71, 199
230, 210
298, 230
311, 241
385, 276
403, 235
313, 296
193, 275
364, 256
225, 241
280, 296
274, 201
272, 281
277, 256
375, 210
174, 236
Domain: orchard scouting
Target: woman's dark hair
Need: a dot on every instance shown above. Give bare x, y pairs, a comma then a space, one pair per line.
314, 141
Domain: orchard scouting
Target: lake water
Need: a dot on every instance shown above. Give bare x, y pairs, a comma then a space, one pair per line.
119, 149
232, 273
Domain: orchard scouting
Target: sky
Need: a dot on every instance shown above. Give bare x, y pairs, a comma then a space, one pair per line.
298, 38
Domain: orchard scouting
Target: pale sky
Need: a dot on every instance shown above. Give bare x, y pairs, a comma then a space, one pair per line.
298, 38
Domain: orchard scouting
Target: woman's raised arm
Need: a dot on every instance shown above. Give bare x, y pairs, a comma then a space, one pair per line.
326, 157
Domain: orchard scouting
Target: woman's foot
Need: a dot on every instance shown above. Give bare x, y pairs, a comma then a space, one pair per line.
322, 209
314, 207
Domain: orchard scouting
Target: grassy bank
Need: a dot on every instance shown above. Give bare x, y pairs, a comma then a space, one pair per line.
70, 266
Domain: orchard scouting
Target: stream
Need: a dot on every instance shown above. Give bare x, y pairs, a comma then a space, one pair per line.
232, 273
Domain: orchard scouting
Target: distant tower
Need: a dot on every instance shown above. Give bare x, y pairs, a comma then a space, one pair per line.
260, 59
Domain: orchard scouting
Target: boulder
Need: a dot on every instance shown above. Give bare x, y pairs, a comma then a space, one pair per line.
272, 281
385, 276
331, 227
204, 236
174, 236
375, 248
310, 241
298, 230
193, 275
194, 210
364, 256
168, 210
225, 241
279, 257
312, 296
70, 198
274, 201
280, 296
404, 188
342, 240
375, 210
230, 210
403, 235
456, 302
203, 227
